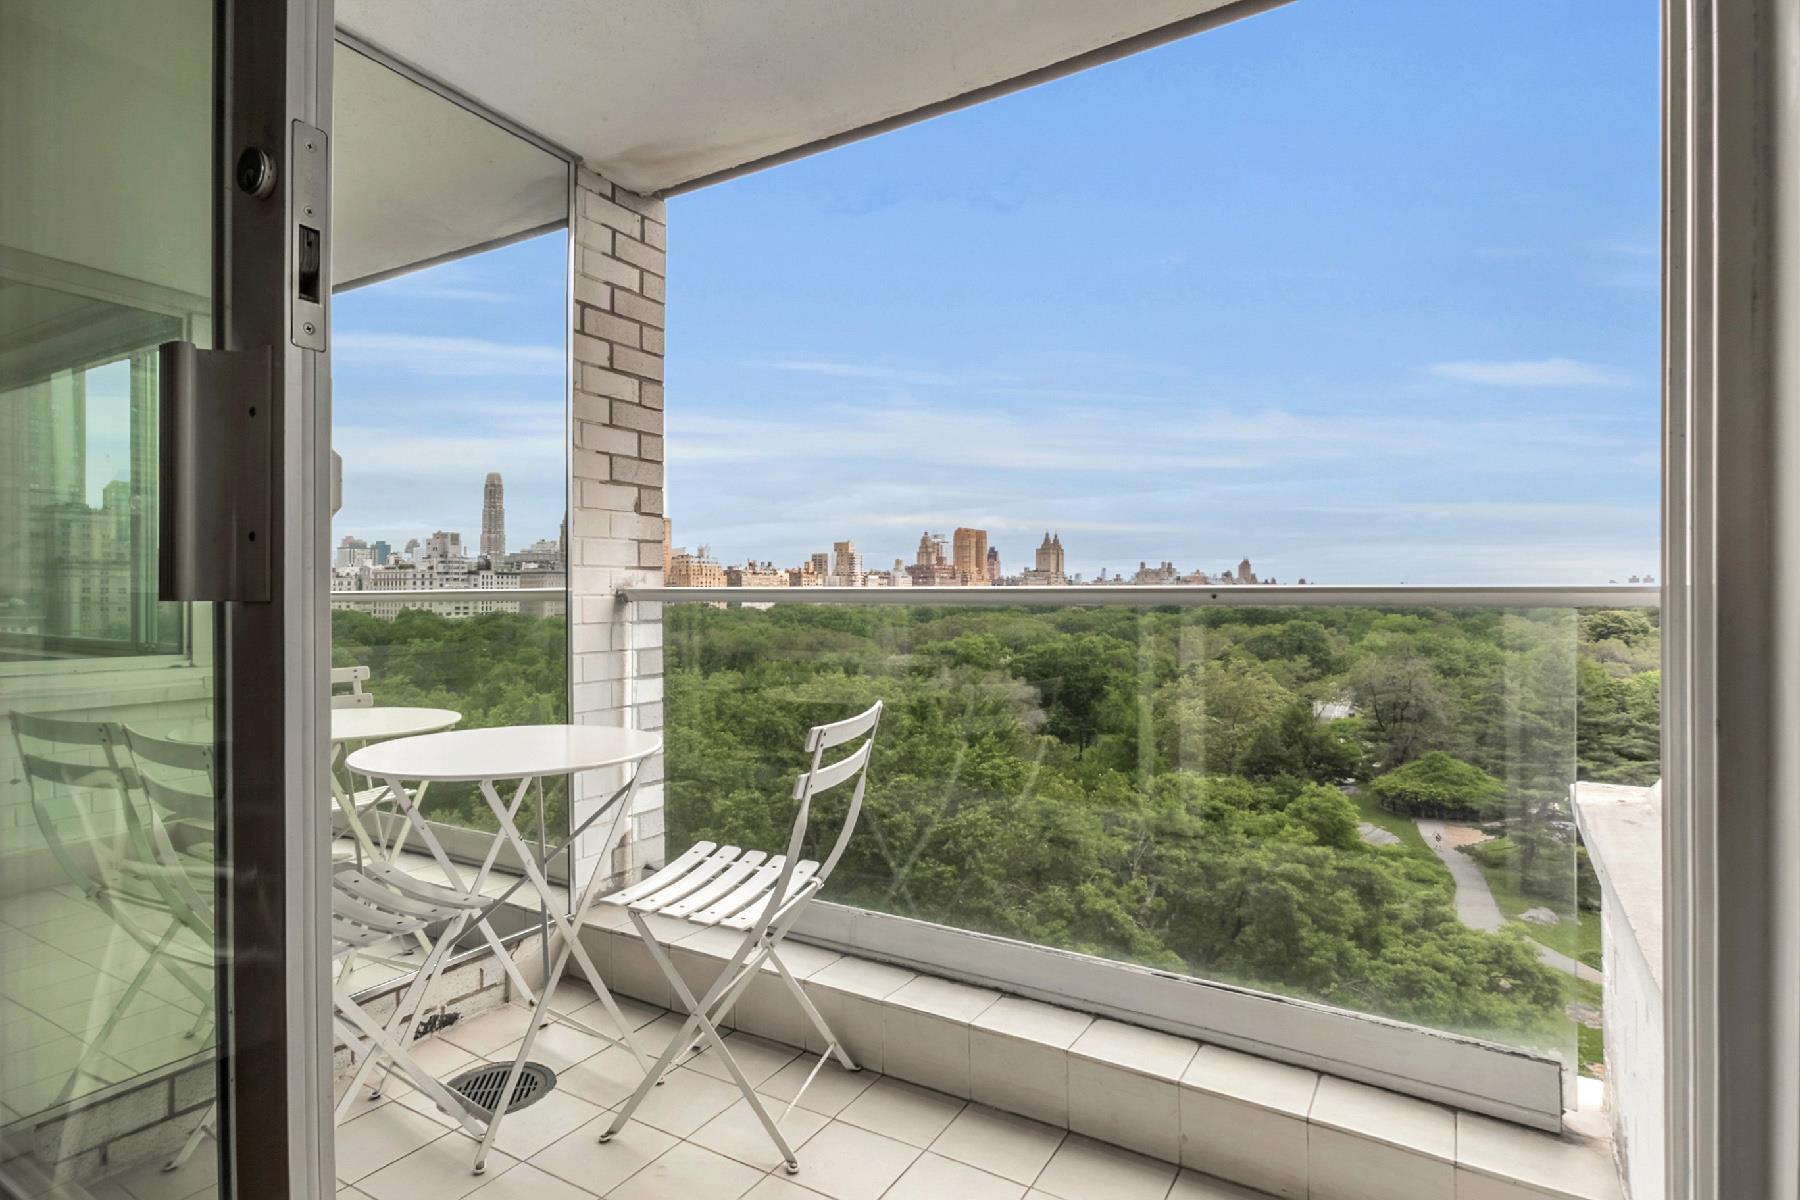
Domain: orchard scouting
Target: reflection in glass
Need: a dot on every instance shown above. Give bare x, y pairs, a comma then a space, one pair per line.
107, 872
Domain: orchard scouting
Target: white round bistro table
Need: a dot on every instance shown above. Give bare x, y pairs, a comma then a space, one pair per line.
528, 754
352, 727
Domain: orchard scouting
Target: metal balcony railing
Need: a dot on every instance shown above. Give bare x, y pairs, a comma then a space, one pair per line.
1181, 595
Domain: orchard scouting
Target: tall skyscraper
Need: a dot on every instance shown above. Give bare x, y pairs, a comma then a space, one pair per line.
493, 518
993, 565
971, 547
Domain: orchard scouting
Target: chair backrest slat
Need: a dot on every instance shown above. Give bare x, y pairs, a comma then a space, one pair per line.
169, 752
354, 678
824, 737
67, 731
80, 775
180, 803
822, 779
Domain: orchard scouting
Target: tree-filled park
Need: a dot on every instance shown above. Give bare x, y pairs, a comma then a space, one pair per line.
1232, 793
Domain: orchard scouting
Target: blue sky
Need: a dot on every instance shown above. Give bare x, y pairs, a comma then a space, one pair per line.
1366, 292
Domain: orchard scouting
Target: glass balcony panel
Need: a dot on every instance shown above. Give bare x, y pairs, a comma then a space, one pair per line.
504, 666
1367, 807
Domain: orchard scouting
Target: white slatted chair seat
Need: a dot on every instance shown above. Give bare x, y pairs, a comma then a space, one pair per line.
411, 886
367, 798
759, 894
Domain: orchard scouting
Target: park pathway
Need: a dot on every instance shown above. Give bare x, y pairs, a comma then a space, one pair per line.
1475, 906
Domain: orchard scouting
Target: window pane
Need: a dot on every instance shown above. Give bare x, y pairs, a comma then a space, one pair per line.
108, 1021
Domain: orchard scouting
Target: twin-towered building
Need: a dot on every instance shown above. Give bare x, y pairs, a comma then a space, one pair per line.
1048, 569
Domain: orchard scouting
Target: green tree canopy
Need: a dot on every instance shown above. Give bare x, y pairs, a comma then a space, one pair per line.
1436, 785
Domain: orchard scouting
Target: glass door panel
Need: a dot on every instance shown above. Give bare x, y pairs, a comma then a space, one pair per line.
107, 870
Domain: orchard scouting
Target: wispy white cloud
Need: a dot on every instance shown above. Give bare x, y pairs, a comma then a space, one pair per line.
1095, 440
995, 522
1509, 511
388, 453
885, 373
426, 355
1532, 373
966, 383
1569, 556
1123, 482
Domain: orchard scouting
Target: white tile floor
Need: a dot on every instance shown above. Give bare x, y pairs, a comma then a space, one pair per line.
859, 1136
63, 964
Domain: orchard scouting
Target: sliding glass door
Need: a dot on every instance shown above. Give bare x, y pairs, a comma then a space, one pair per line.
123, 740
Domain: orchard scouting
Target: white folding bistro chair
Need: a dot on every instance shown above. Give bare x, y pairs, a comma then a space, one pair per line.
364, 799
178, 781
159, 898
371, 905
762, 895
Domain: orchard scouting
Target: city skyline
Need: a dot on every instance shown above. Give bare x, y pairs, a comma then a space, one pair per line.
444, 547
935, 564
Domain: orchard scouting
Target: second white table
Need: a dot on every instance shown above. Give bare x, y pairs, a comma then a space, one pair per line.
527, 753
353, 727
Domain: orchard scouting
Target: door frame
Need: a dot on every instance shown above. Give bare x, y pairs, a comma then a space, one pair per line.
274, 68
1731, 603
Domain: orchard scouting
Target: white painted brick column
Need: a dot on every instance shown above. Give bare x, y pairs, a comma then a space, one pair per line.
616, 494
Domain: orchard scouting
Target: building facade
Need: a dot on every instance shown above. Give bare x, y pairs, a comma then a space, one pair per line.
698, 569
444, 546
755, 574
971, 550
847, 564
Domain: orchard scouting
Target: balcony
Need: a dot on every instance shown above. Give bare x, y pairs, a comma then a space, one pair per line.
1005, 1051
1182, 892
1037, 1000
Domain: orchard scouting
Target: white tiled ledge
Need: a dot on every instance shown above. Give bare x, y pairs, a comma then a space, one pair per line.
1280, 1129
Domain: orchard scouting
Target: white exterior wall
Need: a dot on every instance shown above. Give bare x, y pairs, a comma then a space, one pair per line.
1622, 827
1634, 1056
616, 494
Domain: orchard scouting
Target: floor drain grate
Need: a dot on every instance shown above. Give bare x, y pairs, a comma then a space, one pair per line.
482, 1085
